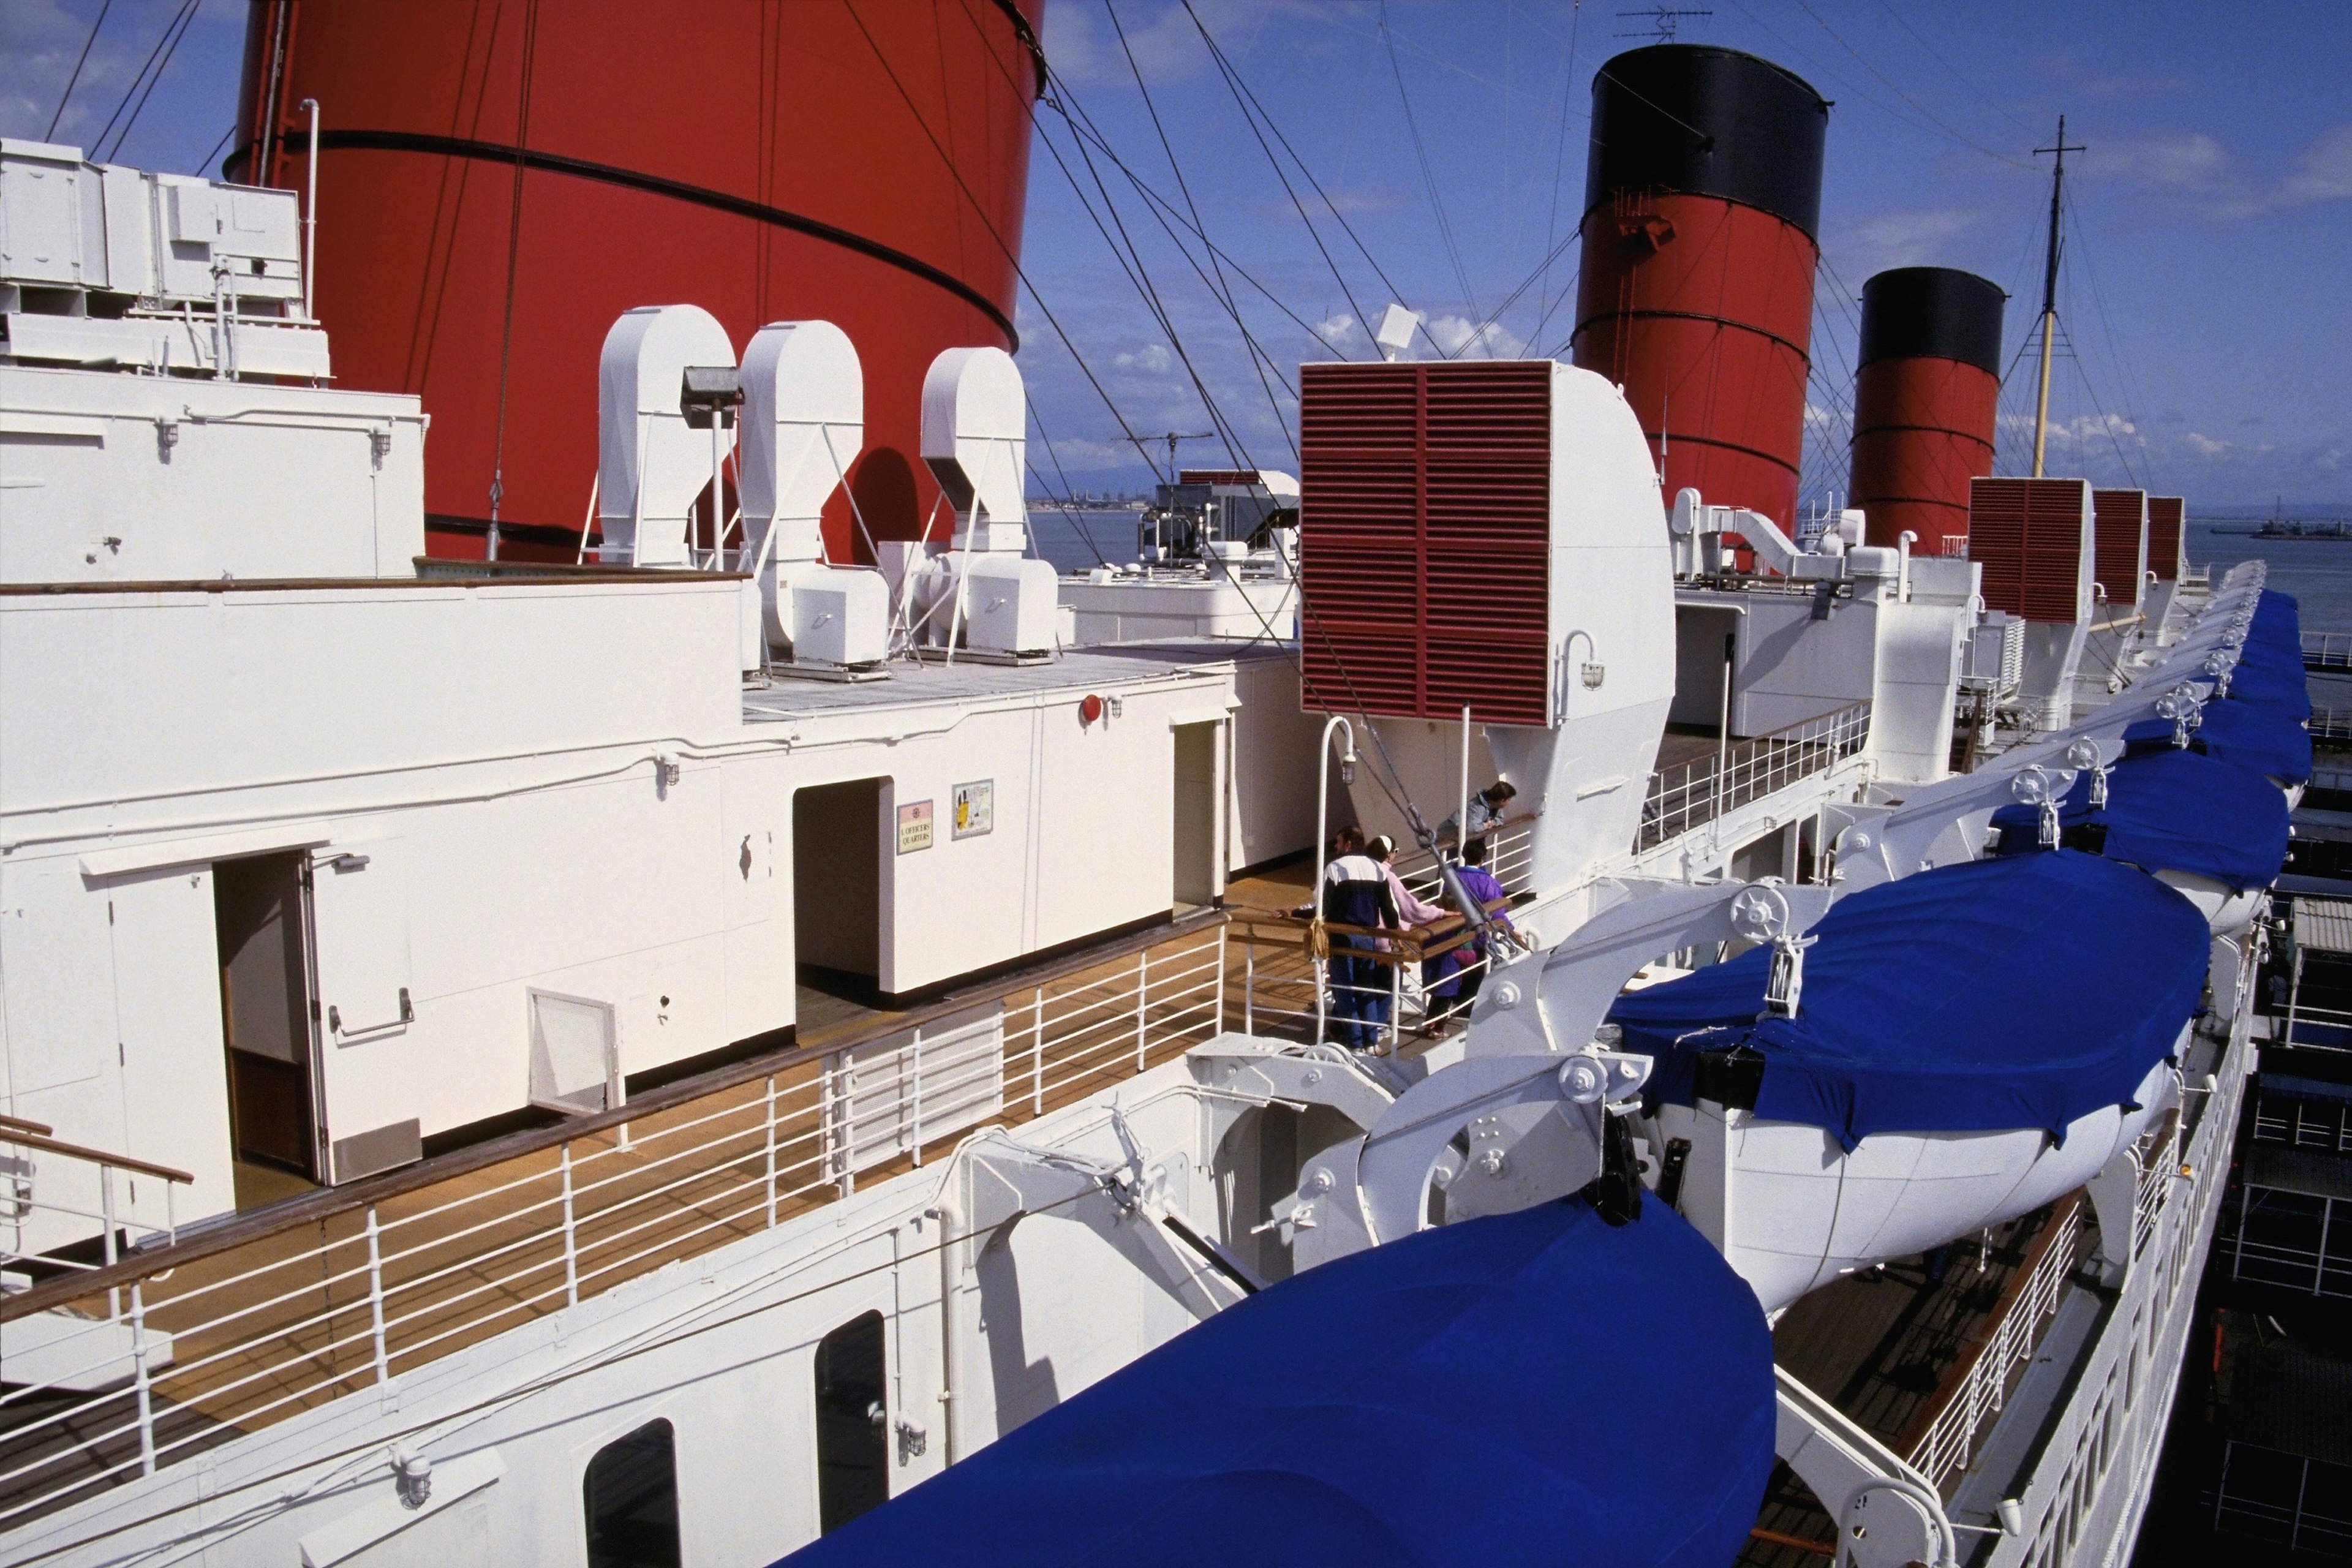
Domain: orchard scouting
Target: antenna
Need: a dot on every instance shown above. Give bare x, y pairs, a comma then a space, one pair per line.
1664, 20
1173, 437
2050, 292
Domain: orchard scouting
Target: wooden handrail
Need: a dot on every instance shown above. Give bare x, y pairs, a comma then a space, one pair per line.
312, 1208
21, 1125
96, 1156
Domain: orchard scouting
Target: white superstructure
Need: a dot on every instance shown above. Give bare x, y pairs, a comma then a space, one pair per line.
316, 857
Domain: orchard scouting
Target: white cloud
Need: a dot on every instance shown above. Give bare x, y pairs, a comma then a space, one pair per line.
1903, 238
1152, 359
2190, 164
2175, 160
2327, 172
1340, 331
1461, 337
2205, 446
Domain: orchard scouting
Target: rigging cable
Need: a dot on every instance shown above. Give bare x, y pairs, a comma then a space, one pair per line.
1316, 185
1964, 140
1428, 176
1012, 257
1559, 160
187, 20
2127, 384
514, 245
1225, 71
1221, 290
82, 59
1140, 277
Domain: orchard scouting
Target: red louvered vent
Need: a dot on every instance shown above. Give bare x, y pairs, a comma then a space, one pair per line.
1217, 477
1425, 528
2029, 535
2120, 561
2166, 517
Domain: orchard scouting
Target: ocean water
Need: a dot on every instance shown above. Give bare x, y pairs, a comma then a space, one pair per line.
2317, 572
1071, 540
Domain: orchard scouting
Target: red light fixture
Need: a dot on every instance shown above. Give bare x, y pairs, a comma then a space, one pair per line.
1090, 708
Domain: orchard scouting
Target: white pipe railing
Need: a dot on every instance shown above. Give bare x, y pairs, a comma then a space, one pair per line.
1694, 792
1950, 1438
296, 1317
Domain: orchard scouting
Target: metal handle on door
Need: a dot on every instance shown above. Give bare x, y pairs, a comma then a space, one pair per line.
408, 1015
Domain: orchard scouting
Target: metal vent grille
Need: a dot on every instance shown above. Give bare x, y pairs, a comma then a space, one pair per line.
2120, 518
2165, 516
2029, 536
1425, 527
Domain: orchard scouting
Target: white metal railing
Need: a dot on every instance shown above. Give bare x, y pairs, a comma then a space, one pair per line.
2331, 723
21, 1210
2159, 1163
1691, 794
1510, 861
2327, 651
283, 1322
1946, 1445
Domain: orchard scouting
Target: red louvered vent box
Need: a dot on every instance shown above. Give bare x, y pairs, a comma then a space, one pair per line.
1425, 539
2120, 564
2033, 538
2166, 515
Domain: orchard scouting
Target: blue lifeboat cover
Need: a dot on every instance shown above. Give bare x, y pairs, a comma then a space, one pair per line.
2277, 620
1526, 1388
2260, 740
1992, 995
2174, 811
2275, 684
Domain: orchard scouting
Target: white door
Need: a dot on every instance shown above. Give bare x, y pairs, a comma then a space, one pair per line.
359, 941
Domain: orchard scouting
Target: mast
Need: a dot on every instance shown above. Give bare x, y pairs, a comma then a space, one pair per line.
2049, 294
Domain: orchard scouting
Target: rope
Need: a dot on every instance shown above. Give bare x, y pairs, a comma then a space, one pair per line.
81, 61
514, 247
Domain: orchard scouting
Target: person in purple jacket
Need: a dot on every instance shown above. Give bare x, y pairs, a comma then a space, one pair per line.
1453, 978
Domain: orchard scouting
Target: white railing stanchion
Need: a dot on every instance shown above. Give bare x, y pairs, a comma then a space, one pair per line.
375, 1299
1143, 987
139, 1374
770, 1171
1037, 1052
1249, 984
915, 1067
106, 1236
1221, 981
572, 1235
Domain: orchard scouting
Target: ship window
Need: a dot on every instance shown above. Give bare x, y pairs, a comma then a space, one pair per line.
631, 1496
853, 1423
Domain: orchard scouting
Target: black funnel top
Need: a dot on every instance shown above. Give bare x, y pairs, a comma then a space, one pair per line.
1707, 121
1918, 312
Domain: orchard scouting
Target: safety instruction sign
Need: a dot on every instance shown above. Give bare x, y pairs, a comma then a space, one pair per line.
975, 808
914, 826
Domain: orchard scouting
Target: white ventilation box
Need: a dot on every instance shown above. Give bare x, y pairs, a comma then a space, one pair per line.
1995, 659
1012, 605
840, 617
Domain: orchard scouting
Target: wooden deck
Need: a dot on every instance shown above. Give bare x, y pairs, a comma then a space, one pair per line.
335, 1291
1884, 1347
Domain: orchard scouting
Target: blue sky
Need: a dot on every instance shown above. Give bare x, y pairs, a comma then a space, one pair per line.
2206, 293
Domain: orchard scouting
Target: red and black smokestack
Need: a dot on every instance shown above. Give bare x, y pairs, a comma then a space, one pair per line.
1924, 401
1702, 197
